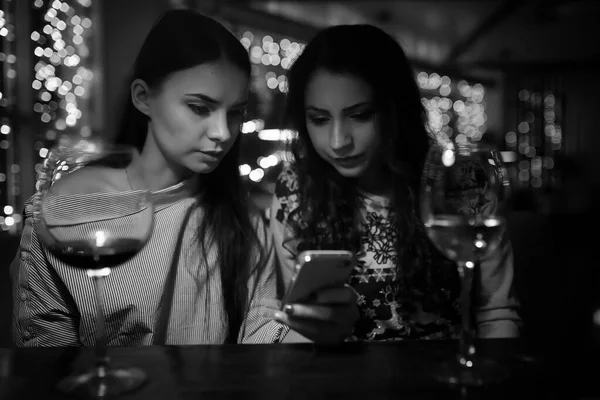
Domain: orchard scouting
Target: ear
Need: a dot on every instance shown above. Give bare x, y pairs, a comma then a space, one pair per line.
140, 94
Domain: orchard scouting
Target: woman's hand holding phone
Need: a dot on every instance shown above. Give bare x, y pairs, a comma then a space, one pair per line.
328, 318
319, 305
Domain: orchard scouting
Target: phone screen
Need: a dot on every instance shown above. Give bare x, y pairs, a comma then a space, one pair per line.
318, 270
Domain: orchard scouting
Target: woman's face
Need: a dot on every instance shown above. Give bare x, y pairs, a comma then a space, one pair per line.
195, 114
343, 122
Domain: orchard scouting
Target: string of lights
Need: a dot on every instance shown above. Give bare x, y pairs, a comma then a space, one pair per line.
9, 170
537, 139
63, 76
59, 42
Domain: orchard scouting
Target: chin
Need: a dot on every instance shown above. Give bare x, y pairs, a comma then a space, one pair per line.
351, 173
202, 168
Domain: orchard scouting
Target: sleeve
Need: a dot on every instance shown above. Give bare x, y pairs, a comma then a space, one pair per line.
259, 326
495, 303
285, 200
43, 314
496, 306
285, 258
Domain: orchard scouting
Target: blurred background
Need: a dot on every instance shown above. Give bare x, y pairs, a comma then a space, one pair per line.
523, 75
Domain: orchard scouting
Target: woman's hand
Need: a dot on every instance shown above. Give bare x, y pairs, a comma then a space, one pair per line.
328, 318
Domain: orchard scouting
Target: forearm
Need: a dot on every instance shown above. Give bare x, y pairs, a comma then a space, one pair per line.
42, 314
48, 330
268, 332
497, 308
294, 337
499, 329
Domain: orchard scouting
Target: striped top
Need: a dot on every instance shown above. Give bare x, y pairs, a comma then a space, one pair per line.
54, 303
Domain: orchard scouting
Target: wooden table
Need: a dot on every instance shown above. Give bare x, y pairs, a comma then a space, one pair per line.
278, 371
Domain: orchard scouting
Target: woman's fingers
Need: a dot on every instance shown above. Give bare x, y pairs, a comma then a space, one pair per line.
319, 331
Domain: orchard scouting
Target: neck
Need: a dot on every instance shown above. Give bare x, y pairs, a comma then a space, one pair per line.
151, 169
377, 180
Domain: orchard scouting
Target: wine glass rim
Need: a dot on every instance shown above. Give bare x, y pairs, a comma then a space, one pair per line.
100, 149
470, 146
112, 148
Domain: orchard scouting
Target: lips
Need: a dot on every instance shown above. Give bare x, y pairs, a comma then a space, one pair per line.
212, 155
349, 161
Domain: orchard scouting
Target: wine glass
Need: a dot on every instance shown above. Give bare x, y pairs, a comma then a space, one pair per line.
462, 193
95, 221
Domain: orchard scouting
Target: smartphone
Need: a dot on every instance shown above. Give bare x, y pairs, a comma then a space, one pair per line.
316, 270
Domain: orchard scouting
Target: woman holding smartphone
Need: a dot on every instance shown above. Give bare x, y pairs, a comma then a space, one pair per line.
353, 185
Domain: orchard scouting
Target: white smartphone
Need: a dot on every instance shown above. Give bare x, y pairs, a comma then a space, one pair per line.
316, 270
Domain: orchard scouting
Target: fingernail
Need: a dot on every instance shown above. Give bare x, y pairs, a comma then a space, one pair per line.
279, 315
289, 309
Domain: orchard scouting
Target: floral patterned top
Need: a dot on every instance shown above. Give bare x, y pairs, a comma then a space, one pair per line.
382, 315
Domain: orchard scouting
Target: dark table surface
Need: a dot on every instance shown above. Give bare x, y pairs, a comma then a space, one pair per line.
294, 371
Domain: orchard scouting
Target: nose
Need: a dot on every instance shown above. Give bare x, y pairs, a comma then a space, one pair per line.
339, 138
219, 130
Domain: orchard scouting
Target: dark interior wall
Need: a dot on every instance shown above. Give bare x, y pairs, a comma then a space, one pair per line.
580, 88
124, 25
557, 278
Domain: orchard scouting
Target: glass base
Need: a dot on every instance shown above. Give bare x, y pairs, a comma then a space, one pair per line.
113, 382
482, 372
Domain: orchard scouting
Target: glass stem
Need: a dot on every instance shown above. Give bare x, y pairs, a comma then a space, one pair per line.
466, 349
98, 276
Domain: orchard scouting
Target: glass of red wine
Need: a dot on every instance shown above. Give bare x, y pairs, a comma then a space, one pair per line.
89, 216
461, 203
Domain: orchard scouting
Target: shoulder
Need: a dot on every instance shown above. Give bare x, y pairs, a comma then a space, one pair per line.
286, 198
261, 226
471, 192
469, 174
89, 180
257, 218
287, 181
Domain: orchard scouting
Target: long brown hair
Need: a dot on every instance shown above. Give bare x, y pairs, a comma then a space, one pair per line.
329, 203
179, 40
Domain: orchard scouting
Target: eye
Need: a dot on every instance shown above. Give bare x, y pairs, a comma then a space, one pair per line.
199, 109
315, 120
363, 116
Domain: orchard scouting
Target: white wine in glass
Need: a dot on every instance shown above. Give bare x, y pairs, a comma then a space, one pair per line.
463, 189
88, 216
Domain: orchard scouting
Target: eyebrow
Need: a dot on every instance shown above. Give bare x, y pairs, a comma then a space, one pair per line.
349, 108
210, 100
